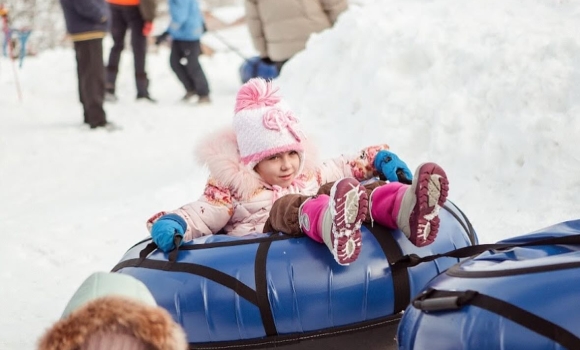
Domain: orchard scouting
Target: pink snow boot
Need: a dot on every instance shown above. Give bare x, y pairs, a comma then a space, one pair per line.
413, 209
336, 220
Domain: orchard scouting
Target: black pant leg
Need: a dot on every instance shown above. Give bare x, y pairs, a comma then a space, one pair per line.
138, 40
80, 87
179, 69
91, 77
192, 51
139, 46
118, 31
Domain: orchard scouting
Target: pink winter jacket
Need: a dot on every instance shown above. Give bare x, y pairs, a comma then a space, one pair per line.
237, 200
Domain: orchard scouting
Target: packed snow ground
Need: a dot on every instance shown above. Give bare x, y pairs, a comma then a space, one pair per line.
488, 89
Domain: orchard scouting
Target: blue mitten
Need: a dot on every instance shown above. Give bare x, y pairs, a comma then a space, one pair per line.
164, 230
388, 164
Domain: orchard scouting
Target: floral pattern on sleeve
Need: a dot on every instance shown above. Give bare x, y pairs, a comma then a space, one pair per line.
362, 167
217, 194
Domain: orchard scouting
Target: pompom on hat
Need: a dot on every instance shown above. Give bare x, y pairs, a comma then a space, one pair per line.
264, 124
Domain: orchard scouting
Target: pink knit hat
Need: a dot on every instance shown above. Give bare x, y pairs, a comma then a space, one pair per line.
264, 124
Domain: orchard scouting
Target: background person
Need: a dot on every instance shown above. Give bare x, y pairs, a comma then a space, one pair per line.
186, 29
281, 28
87, 22
136, 16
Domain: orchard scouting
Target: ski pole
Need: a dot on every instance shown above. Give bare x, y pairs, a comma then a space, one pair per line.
15, 71
227, 44
16, 80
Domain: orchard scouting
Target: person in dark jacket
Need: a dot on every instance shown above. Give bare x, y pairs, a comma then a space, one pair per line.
87, 23
137, 16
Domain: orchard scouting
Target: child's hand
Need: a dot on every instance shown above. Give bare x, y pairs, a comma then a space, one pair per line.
389, 165
165, 229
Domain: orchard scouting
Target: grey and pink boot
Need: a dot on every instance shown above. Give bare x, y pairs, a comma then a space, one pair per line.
335, 220
413, 209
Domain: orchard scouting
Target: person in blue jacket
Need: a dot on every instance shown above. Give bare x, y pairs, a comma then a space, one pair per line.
186, 29
87, 22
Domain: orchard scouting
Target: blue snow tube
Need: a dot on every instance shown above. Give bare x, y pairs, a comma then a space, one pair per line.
254, 67
275, 290
525, 295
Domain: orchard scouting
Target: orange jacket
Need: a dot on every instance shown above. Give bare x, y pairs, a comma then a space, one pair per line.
148, 8
124, 2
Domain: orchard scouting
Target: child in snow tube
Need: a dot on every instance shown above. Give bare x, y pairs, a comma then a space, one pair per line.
264, 177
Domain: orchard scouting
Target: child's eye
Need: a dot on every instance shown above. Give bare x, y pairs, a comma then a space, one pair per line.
293, 153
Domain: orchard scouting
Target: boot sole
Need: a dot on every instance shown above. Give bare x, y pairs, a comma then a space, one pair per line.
431, 191
348, 206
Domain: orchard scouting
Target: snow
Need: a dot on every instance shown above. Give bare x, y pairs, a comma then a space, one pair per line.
488, 89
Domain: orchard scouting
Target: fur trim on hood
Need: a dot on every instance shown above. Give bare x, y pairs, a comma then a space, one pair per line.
219, 151
117, 315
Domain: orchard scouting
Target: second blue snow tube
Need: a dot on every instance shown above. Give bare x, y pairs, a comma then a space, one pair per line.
523, 296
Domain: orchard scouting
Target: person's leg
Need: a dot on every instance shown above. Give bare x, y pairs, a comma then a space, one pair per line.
385, 202
177, 53
413, 209
118, 31
92, 81
369, 188
139, 46
80, 63
336, 219
194, 69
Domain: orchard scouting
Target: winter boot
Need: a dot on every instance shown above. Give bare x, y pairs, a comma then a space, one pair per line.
203, 100
110, 97
110, 93
188, 96
110, 83
336, 219
142, 83
413, 209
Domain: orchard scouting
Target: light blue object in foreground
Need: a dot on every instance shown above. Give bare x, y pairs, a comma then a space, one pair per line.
102, 284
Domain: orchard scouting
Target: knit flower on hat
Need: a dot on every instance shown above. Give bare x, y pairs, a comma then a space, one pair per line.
277, 119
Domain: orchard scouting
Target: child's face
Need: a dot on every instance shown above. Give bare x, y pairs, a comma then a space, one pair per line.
280, 169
